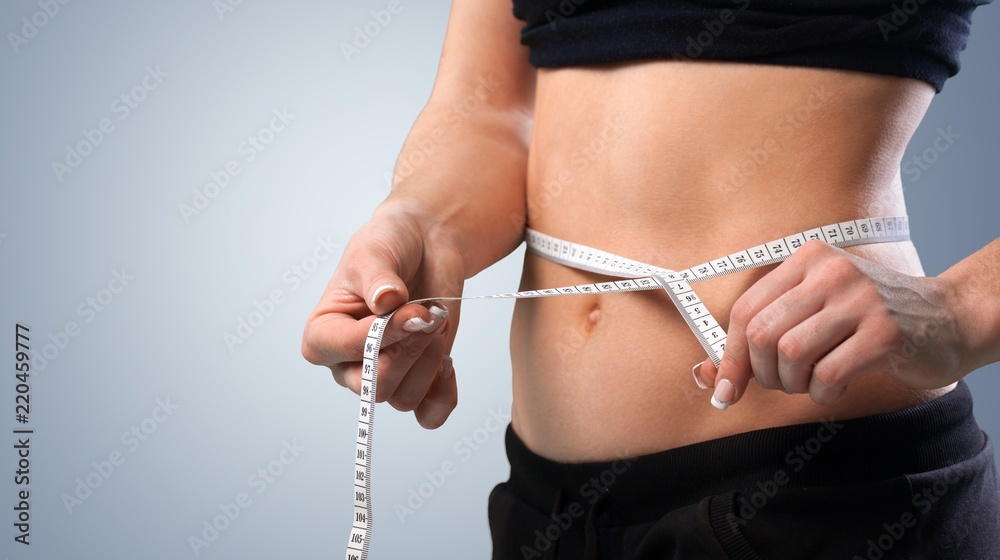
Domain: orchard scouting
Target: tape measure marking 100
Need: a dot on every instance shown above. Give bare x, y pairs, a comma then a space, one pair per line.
636, 276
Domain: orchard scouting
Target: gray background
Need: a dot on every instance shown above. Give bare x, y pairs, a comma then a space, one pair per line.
162, 336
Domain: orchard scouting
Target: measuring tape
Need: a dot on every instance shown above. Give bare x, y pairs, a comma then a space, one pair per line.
635, 276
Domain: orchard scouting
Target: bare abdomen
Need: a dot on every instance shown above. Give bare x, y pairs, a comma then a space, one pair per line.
675, 164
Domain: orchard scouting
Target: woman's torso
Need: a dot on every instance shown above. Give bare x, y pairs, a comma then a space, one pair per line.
675, 163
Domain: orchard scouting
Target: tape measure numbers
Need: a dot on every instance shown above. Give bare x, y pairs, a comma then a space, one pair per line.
635, 276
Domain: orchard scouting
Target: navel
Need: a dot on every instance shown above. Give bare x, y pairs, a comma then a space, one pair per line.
593, 317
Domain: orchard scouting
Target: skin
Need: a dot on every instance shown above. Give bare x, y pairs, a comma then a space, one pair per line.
647, 165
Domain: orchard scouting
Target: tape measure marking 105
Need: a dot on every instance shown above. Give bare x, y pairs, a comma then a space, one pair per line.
635, 276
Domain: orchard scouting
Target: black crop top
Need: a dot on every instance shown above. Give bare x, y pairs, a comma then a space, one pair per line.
908, 38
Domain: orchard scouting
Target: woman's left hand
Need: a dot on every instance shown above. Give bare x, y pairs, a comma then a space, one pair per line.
825, 317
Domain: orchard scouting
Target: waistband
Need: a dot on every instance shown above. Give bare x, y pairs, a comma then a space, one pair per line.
923, 438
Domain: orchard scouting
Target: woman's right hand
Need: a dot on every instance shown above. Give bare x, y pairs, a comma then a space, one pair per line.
394, 258
444, 221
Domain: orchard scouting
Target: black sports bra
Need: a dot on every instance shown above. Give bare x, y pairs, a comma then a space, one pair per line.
909, 38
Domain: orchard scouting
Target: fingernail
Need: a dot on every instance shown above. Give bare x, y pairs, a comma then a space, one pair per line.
416, 324
381, 290
725, 391
694, 373
447, 368
437, 318
439, 312
434, 324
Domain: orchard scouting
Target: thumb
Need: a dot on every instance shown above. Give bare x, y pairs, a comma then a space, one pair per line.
385, 292
730, 380
379, 275
382, 257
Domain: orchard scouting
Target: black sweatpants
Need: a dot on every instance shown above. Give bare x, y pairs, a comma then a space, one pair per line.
919, 483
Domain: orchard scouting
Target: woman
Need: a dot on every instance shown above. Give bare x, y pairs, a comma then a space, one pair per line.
673, 136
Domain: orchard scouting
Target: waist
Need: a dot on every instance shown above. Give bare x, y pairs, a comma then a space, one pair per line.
652, 164
606, 374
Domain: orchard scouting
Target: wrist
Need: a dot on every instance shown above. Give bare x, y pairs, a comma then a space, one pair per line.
977, 316
433, 223
435, 219
480, 227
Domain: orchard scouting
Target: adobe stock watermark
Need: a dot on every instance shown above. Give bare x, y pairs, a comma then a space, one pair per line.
424, 149
88, 310
262, 479
292, 279
365, 33
561, 521
898, 17
566, 8
248, 149
580, 160
895, 530
697, 44
132, 439
796, 460
756, 157
464, 449
915, 167
122, 107
225, 7
32, 25
912, 345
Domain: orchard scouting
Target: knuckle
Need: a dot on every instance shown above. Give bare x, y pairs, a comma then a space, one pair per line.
879, 331
867, 298
312, 351
339, 375
741, 313
406, 350
827, 374
840, 269
810, 250
791, 348
311, 354
347, 377
354, 352
759, 333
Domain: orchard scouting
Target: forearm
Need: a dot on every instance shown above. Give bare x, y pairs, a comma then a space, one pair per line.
975, 287
463, 167
464, 173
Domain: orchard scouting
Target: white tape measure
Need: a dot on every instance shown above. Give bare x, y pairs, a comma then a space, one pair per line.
635, 276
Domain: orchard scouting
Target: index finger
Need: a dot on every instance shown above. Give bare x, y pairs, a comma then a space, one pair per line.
336, 337
735, 369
